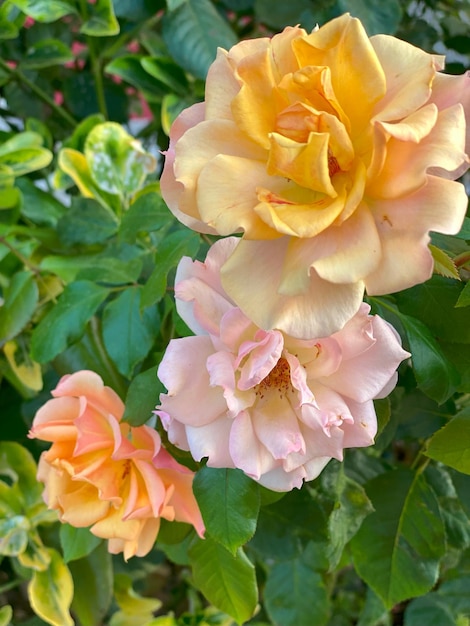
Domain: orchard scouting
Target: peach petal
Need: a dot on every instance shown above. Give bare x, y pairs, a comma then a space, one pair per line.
89, 384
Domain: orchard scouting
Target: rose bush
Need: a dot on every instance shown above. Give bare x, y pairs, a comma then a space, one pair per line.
277, 407
101, 472
335, 154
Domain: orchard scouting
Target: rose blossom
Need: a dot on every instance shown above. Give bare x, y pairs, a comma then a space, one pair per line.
334, 154
103, 473
277, 407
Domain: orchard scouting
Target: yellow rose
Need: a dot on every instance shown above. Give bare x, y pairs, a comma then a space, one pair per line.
334, 154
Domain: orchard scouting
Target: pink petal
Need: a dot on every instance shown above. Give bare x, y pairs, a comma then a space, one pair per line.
212, 441
55, 420
450, 90
89, 384
362, 432
222, 373
247, 452
276, 427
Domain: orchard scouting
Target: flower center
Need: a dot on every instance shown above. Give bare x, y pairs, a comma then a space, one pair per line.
277, 379
333, 166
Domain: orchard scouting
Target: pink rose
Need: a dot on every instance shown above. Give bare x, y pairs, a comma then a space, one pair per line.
277, 407
103, 473
334, 154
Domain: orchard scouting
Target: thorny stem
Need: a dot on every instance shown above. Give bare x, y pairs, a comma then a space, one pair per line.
26, 262
40, 93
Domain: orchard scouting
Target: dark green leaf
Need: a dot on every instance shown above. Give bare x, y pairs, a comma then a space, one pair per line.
169, 253
398, 547
146, 214
295, 593
377, 16
129, 334
76, 543
129, 68
227, 581
46, 53
282, 14
193, 32
451, 444
351, 507
65, 323
38, 206
93, 577
430, 610
86, 222
455, 594
167, 72
434, 373
142, 397
233, 521
20, 300
137, 10
464, 297
110, 270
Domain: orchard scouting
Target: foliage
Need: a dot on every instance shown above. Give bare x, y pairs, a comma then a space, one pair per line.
87, 258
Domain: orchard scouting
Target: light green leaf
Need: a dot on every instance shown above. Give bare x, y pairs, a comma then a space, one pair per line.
45, 10
6, 613
142, 397
193, 32
93, 582
76, 543
50, 592
129, 334
18, 464
65, 323
135, 609
117, 161
451, 444
398, 547
101, 22
10, 197
295, 593
443, 264
45, 53
26, 160
86, 222
20, 300
169, 252
227, 581
232, 520
14, 535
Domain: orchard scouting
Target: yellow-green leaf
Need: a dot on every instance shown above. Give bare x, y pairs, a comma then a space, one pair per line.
6, 613
135, 609
443, 264
50, 592
27, 371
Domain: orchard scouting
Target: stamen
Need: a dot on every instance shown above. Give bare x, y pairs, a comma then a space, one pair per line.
333, 166
278, 379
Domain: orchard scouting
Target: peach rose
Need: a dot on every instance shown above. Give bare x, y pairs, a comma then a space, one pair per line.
276, 407
334, 154
103, 473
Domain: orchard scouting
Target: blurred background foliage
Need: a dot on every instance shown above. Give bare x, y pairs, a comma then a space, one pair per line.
87, 255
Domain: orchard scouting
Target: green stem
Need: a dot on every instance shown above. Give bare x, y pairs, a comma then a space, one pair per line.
95, 335
98, 76
26, 262
40, 93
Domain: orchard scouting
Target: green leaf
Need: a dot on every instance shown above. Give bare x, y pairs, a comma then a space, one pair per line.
295, 593
101, 22
18, 464
86, 222
129, 334
169, 253
398, 547
351, 507
65, 323
113, 271
443, 264
50, 592
146, 214
464, 297
142, 397
430, 610
46, 53
93, 577
455, 593
435, 374
434, 303
26, 160
167, 72
117, 161
193, 32
232, 522
6, 613
377, 16
129, 68
45, 10
38, 206
282, 14
227, 581
76, 543
20, 300
451, 444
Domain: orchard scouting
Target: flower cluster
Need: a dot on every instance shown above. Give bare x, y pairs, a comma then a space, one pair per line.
104, 474
334, 154
277, 407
